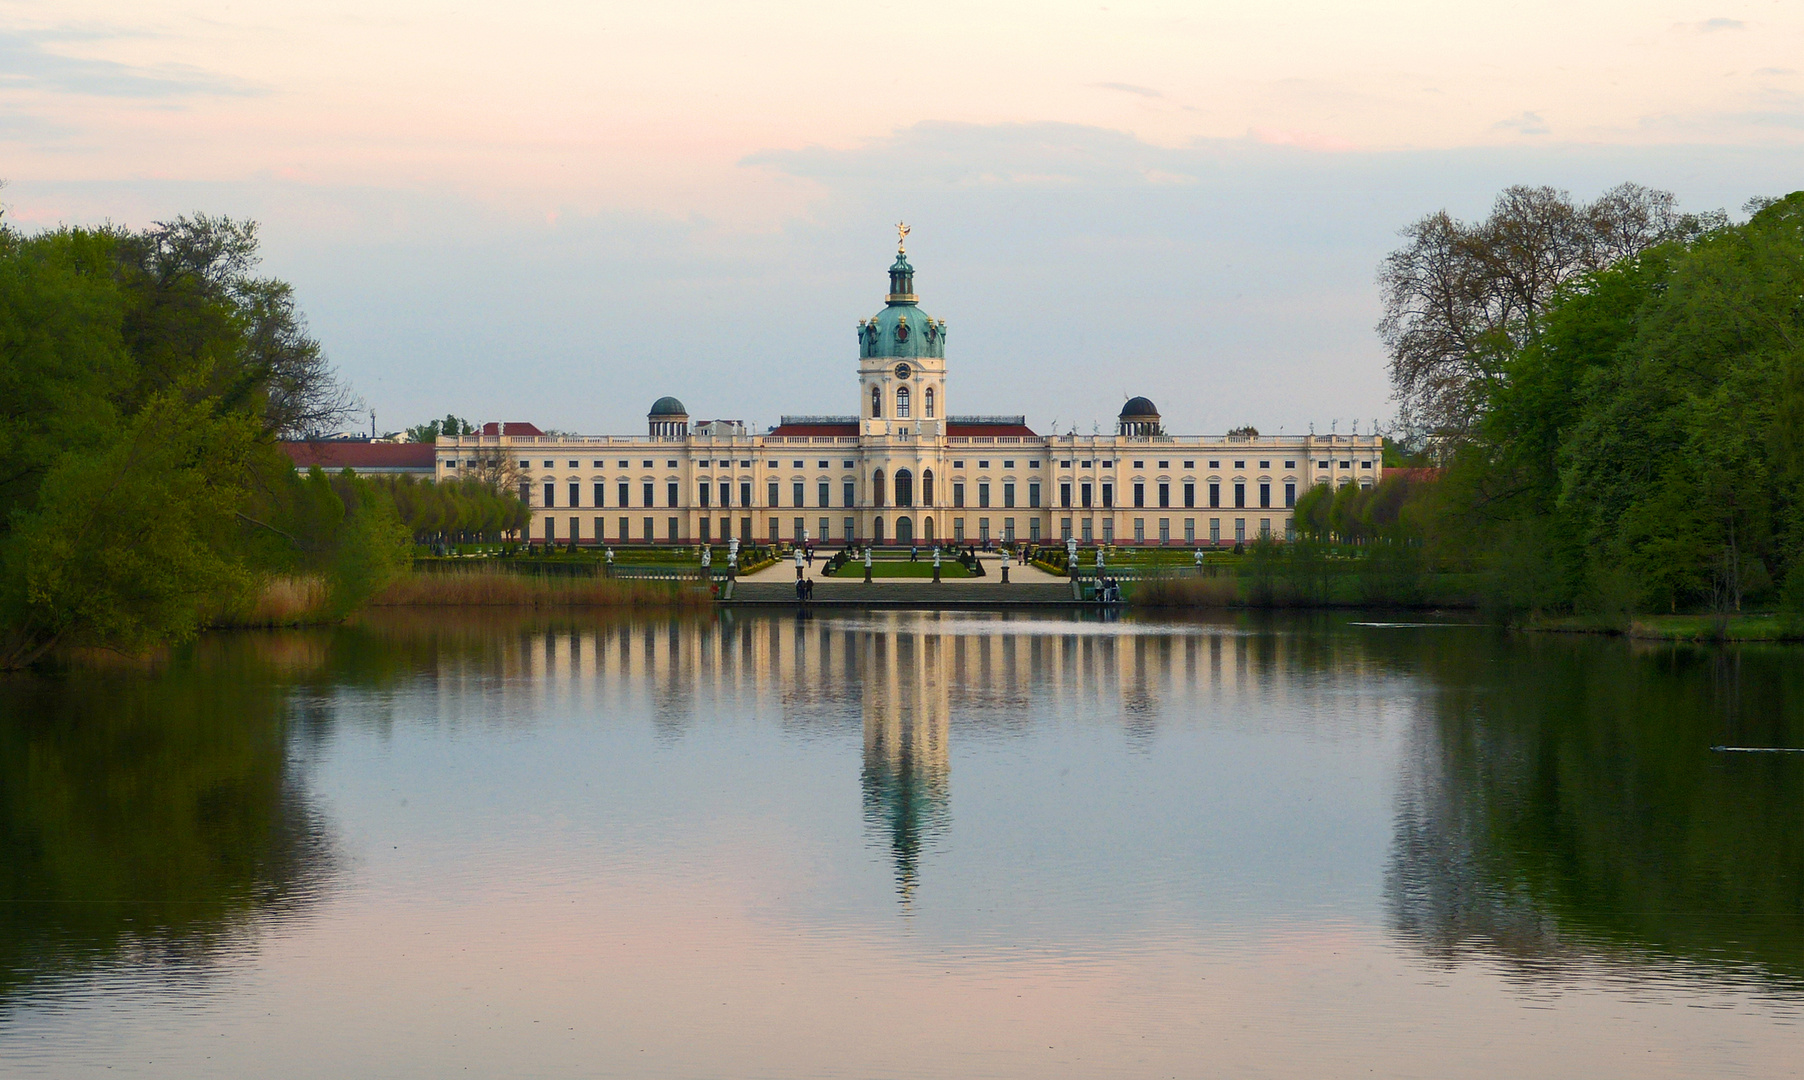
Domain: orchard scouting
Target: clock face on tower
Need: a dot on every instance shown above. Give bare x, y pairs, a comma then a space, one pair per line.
903, 371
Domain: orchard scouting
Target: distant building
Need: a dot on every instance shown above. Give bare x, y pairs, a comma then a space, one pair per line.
903, 469
364, 456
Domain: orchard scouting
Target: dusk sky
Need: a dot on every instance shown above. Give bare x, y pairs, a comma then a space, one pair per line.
557, 212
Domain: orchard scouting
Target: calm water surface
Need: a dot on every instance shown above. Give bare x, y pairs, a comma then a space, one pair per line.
905, 845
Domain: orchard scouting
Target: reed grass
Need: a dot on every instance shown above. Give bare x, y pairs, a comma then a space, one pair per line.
1188, 592
483, 587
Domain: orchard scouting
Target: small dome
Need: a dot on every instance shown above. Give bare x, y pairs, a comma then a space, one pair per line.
667, 406
1139, 406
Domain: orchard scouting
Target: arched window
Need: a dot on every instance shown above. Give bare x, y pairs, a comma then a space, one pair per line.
877, 488
905, 493
902, 403
876, 402
927, 485
929, 413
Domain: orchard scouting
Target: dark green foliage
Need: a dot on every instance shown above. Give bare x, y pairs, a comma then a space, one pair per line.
1643, 453
144, 379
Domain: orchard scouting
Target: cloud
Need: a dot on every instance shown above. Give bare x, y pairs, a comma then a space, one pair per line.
1523, 123
1129, 88
1711, 26
26, 63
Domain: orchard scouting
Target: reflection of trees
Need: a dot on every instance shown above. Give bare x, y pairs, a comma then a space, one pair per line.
154, 815
1559, 801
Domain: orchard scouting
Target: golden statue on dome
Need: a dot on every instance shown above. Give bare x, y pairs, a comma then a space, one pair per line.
902, 231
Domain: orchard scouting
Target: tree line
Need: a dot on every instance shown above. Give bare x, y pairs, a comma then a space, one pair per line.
146, 378
1614, 395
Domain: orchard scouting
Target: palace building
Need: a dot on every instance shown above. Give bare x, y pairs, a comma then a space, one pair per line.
904, 469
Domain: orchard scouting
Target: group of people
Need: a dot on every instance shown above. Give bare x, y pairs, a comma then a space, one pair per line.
1108, 591
804, 589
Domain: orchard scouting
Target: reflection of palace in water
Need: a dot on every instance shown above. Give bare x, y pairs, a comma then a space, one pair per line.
907, 724
905, 677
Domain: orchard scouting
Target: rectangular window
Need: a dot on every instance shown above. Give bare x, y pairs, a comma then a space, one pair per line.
1290, 529
1190, 530
745, 530
1008, 495
623, 533
550, 529
801, 530
1290, 494
1139, 530
601, 491
771, 496
745, 499
851, 528
983, 493
1265, 528
1033, 495
1290, 464
705, 490
1164, 530
1214, 495
795, 495
1033, 530
1139, 496
726, 529
775, 528
1065, 496
671, 495
526, 492
576, 529
550, 494
623, 489
849, 495
649, 534
1240, 495
1240, 530
1215, 530
650, 500
1108, 530
1164, 496
726, 500
1064, 529
958, 494
958, 530
1189, 495
1265, 496
601, 529
576, 494
1089, 526
1083, 491
670, 525
1108, 495
707, 533
983, 529
825, 494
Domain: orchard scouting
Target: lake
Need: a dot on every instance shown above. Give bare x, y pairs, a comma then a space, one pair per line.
904, 844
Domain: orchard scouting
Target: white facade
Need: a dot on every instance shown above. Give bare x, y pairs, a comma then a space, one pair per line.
900, 470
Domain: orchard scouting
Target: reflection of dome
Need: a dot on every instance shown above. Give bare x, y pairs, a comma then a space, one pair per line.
1139, 406
667, 406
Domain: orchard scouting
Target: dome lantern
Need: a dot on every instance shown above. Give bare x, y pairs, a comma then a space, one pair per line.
668, 419
1139, 419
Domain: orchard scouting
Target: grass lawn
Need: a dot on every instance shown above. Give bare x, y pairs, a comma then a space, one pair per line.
885, 568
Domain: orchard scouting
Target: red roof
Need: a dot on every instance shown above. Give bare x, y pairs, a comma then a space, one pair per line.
363, 456
512, 427
815, 429
982, 430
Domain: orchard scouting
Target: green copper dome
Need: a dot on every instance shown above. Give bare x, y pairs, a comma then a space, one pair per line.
667, 406
901, 330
